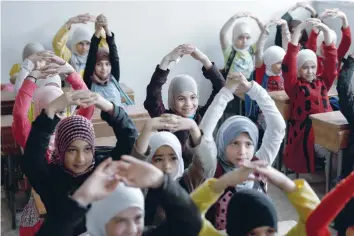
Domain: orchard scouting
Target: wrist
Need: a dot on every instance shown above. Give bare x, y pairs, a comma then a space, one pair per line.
159, 180
81, 198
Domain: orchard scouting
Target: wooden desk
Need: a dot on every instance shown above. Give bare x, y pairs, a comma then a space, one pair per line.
137, 113
282, 101
331, 131
8, 98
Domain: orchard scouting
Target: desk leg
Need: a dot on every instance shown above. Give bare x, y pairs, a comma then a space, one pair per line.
329, 172
10, 188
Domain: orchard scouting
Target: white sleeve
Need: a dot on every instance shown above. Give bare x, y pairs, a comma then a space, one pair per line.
26, 68
276, 126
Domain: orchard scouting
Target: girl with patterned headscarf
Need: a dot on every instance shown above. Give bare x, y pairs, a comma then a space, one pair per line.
308, 95
183, 94
75, 156
80, 42
237, 139
22, 125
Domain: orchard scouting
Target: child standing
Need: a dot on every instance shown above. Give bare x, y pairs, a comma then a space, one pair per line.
308, 95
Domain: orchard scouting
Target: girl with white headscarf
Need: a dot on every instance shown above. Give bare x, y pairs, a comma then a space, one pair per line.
117, 209
22, 125
164, 151
316, 39
268, 66
308, 94
237, 138
183, 94
80, 41
238, 57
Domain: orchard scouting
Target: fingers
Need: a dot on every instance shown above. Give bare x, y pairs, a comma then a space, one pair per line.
130, 159
104, 165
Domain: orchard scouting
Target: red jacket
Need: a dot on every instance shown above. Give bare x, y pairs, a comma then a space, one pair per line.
342, 49
21, 126
318, 222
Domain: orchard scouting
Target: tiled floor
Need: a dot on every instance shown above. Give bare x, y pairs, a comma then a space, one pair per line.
285, 210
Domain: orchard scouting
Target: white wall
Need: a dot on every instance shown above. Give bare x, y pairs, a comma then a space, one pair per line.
145, 32
345, 6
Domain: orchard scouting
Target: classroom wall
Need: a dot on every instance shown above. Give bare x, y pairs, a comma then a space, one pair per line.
145, 32
345, 6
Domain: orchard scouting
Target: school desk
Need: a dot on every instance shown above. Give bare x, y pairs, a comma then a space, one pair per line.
11, 153
8, 98
332, 132
137, 113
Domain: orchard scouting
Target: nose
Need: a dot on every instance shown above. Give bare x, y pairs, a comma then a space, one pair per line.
131, 228
188, 102
242, 149
80, 158
167, 167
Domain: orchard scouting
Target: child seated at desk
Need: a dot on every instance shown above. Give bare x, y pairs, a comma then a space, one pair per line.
308, 95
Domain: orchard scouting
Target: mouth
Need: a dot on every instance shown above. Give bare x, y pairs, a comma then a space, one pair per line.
188, 110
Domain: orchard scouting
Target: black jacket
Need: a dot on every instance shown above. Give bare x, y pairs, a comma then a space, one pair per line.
51, 181
346, 102
91, 59
182, 215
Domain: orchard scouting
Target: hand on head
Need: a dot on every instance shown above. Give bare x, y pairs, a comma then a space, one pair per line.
180, 51
171, 122
331, 13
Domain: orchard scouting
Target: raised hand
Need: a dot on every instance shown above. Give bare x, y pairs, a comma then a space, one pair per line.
179, 51
138, 173
39, 56
81, 19
236, 82
242, 14
99, 184
100, 102
176, 123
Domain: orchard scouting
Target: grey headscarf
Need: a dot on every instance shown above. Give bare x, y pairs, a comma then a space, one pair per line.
178, 85
32, 48
228, 131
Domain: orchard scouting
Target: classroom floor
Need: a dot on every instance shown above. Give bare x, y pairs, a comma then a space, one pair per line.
285, 210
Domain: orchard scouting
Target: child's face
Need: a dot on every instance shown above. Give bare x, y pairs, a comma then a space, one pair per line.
78, 156
242, 41
262, 231
186, 104
103, 69
308, 71
350, 231
128, 222
166, 160
240, 149
82, 47
276, 68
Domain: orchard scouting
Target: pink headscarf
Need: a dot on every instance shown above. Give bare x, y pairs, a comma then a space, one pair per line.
43, 96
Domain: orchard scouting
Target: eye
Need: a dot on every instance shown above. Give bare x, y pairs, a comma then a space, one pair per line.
88, 149
174, 158
194, 97
180, 99
158, 159
249, 144
138, 218
70, 150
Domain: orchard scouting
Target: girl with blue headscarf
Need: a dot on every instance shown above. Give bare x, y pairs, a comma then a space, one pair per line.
237, 138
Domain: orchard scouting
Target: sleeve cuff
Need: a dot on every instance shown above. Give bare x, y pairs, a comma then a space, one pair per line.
161, 72
110, 39
110, 118
46, 124
254, 89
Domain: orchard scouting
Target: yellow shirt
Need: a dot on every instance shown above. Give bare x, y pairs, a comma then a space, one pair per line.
304, 200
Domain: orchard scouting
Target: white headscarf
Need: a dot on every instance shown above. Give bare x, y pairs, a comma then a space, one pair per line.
43, 96
241, 28
320, 39
167, 138
32, 48
102, 211
178, 85
271, 56
304, 56
79, 61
